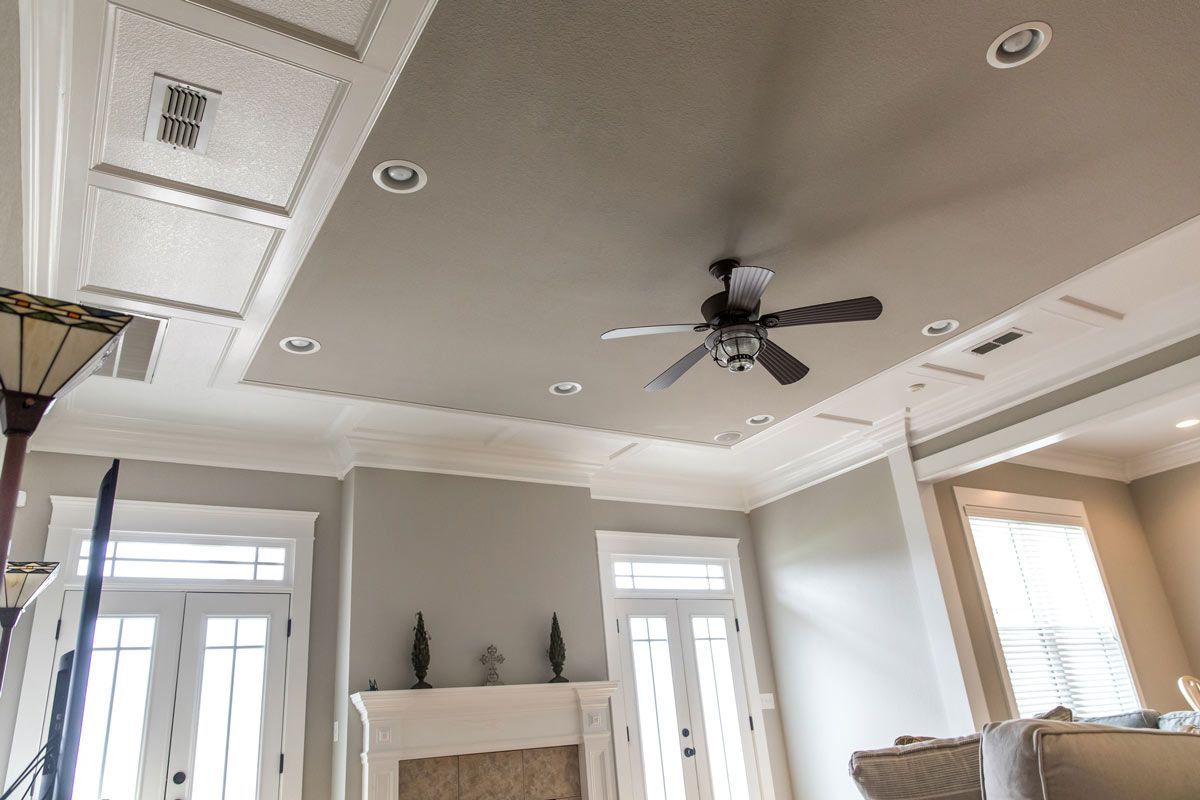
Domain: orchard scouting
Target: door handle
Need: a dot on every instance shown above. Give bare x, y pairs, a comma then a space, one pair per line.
688, 752
178, 778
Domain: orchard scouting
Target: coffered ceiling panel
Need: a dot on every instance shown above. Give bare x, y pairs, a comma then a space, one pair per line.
342, 21
266, 123
174, 255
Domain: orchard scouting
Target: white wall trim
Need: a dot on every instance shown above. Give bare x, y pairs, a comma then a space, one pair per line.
963, 701
72, 516
612, 543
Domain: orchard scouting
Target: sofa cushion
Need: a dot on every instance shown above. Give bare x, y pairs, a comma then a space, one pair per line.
1142, 718
937, 769
1045, 760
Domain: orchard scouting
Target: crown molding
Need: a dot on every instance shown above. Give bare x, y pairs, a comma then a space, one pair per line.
1166, 458
1076, 462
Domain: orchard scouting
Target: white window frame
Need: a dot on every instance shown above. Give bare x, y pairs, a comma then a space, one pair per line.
1010, 505
613, 546
71, 521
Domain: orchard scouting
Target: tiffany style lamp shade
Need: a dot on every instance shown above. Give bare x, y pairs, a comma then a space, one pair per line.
23, 581
46, 348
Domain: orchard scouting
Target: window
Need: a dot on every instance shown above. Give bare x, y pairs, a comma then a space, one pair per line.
179, 560
1052, 616
669, 576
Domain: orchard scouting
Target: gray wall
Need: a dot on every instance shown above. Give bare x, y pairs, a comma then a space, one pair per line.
47, 474
852, 659
10, 147
647, 518
487, 561
517, 552
1169, 504
1151, 635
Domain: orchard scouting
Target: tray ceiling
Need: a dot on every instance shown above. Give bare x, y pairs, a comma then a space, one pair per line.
585, 166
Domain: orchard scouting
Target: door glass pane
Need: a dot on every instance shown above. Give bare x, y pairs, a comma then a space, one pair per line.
114, 714
722, 722
658, 721
229, 725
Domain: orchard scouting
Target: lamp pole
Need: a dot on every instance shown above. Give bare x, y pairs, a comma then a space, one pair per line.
20, 414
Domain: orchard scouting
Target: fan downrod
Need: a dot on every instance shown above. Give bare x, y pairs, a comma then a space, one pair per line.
722, 268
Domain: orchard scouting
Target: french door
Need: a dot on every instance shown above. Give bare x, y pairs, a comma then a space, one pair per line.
185, 695
690, 731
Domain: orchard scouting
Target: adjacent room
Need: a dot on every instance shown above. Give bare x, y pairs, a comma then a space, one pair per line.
494, 400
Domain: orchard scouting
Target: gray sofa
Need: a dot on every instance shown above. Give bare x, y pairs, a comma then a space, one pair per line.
1137, 755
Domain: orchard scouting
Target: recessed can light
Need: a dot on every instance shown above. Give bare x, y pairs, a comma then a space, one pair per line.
401, 177
940, 328
728, 437
760, 419
299, 345
565, 388
1188, 423
1019, 45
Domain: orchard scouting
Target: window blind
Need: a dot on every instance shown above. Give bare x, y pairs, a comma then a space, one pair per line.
1056, 627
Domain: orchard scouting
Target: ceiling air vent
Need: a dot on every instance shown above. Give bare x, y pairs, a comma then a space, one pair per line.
181, 114
1008, 337
137, 350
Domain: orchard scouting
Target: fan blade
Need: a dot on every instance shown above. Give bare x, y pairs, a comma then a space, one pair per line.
746, 287
676, 370
646, 330
858, 309
783, 366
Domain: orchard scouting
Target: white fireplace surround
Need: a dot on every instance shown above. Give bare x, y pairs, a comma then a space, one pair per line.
426, 723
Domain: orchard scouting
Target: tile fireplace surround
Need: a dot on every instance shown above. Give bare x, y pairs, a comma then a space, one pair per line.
486, 725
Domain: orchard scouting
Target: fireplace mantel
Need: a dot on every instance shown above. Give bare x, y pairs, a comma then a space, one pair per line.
425, 723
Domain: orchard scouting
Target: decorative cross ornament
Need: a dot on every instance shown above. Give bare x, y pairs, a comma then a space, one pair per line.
491, 659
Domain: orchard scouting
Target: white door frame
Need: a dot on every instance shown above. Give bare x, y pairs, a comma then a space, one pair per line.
72, 517
665, 545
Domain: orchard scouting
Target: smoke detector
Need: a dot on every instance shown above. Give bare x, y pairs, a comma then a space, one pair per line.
181, 114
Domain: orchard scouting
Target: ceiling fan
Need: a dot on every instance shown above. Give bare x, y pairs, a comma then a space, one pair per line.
738, 337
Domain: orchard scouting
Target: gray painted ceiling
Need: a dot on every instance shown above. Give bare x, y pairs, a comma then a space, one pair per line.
586, 163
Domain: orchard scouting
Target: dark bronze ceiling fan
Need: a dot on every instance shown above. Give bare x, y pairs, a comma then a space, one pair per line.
738, 332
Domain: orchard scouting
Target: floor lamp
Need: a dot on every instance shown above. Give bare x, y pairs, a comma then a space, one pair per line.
47, 347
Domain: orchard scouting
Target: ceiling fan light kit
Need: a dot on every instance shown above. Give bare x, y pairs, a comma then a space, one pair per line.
737, 338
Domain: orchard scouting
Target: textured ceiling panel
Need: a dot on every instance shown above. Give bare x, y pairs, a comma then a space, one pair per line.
585, 166
150, 249
341, 21
267, 122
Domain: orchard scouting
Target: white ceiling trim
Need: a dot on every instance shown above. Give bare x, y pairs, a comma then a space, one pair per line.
1076, 462
1166, 458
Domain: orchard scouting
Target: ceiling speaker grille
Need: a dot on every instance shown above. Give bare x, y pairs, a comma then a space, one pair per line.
995, 343
181, 114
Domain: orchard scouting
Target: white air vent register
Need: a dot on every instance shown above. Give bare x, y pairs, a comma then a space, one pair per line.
181, 114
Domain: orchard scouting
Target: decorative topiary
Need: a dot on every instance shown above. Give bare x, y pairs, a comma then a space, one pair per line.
420, 653
557, 652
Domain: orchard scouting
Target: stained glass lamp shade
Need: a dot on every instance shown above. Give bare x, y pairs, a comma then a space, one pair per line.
46, 347
23, 581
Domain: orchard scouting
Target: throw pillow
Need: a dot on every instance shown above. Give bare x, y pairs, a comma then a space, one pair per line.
1143, 718
935, 769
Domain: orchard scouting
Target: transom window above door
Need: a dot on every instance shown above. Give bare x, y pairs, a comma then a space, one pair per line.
661, 575
135, 560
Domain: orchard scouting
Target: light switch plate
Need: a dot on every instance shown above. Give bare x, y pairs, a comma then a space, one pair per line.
766, 700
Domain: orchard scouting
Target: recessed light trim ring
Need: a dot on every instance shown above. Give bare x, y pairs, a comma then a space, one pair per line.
399, 176
565, 388
299, 345
940, 327
1187, 423
1019, 45
758, 420
727, 437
